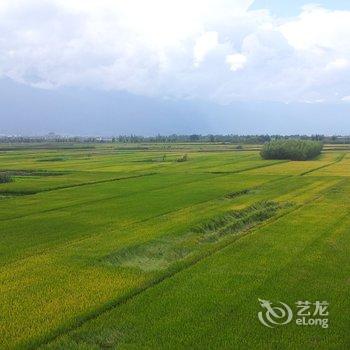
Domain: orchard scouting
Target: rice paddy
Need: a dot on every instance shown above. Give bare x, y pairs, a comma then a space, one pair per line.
127, 247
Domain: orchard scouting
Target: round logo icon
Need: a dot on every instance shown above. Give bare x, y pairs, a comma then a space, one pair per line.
274, 315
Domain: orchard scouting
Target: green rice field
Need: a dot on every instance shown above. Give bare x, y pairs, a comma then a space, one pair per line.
126, 247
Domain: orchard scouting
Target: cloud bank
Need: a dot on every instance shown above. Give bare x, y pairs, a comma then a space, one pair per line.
214, 50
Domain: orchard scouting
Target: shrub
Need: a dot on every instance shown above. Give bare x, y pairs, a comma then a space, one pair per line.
184, 158
291, 149
5, 178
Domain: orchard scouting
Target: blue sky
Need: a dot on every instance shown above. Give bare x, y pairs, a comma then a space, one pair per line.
171, 58
292, 7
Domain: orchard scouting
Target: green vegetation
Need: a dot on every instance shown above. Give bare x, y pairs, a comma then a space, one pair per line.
161, 253
291, 149
5, 178
129, 248
214, 304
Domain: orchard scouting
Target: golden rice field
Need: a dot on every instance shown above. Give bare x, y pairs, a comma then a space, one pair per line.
126, 247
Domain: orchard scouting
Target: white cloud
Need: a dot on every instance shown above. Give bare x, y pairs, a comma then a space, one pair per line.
318, 29
346, 99
218, 50
339, 63
204, 44
236, 61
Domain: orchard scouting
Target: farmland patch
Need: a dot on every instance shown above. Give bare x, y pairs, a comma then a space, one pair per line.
161, 253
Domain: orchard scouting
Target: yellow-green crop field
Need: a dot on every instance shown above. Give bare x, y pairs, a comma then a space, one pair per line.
125, 247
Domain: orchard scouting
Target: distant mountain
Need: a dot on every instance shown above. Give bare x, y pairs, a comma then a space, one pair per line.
32, 111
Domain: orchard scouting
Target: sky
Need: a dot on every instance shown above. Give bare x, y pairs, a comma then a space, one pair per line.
161, 66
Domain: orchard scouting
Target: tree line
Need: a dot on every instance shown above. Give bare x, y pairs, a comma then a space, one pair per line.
194, 138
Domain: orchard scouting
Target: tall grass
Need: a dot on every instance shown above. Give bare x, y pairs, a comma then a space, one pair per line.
291, 149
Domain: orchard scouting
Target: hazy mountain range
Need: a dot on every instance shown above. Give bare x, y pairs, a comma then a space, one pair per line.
77, 111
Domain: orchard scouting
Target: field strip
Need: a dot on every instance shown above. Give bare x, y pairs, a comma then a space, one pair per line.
200, 165
177, 268
339, 159
251, 168
230, 150
106, 198
78, 185
239, 160
319, 185
294, 259
102, 181
68, 243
